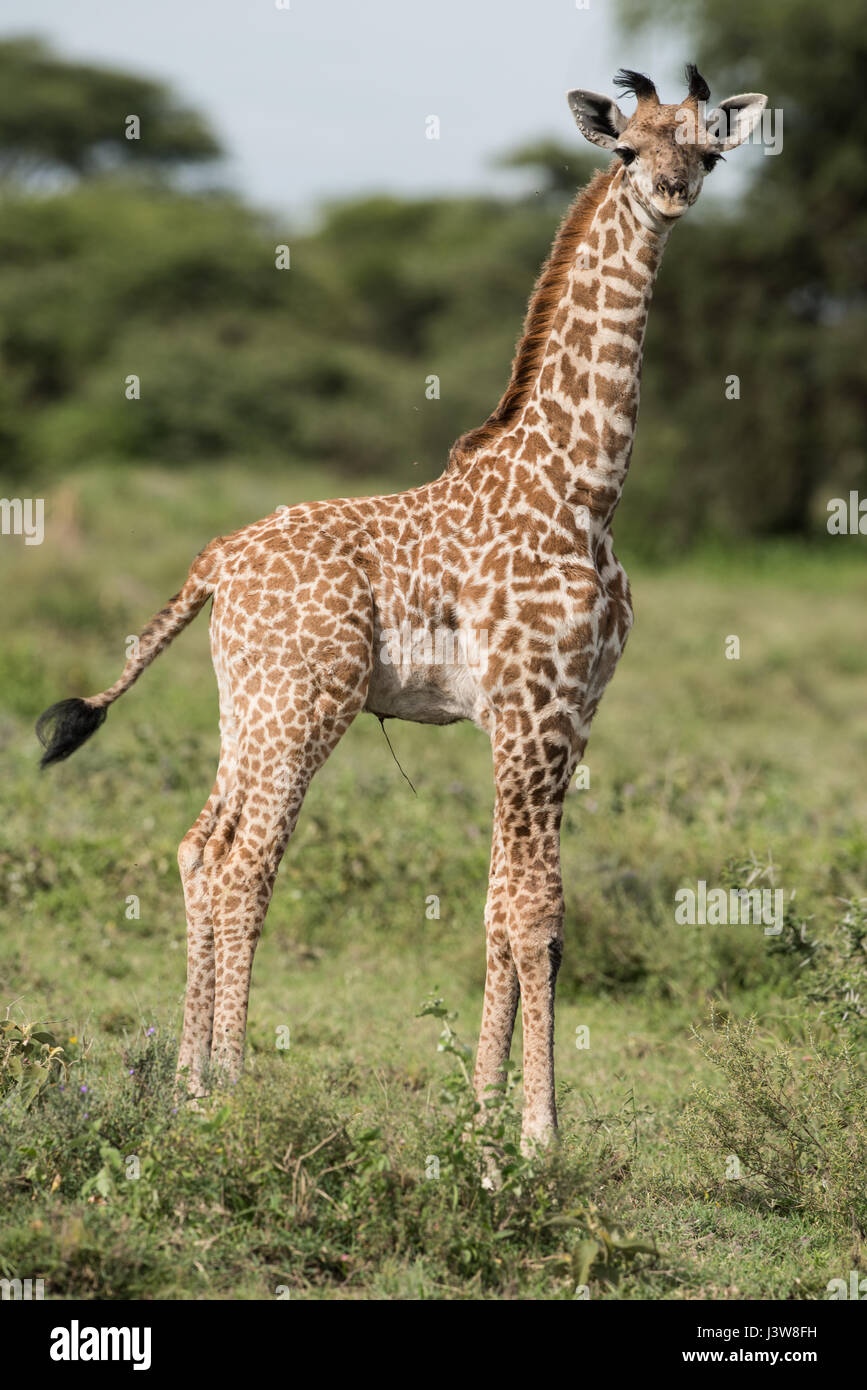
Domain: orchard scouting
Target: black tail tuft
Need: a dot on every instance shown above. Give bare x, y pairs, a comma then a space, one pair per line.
66, 726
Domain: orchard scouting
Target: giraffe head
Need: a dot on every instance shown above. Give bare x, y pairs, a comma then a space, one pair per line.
668, 151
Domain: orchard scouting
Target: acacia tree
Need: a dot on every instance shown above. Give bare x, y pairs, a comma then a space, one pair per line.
68, 118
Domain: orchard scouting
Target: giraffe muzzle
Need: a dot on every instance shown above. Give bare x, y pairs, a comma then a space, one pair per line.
671, 196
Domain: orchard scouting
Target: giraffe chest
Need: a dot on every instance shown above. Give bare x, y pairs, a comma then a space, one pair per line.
608, 628
566, 633
613, 622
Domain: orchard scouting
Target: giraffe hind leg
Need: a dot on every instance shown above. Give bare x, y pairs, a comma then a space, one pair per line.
292, 678
274, 783
204, 835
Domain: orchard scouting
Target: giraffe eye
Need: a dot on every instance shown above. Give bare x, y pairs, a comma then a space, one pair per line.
710, 161
626, 153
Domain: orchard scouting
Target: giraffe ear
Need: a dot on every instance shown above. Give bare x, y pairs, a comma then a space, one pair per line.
732, 122
599, 119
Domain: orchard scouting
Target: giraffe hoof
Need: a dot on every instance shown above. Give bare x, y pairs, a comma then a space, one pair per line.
190, 1089
492, 1177
492, 1180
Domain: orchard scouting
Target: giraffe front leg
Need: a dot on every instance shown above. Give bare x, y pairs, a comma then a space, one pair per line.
532, 775
500, 1002
537, 945
501, 979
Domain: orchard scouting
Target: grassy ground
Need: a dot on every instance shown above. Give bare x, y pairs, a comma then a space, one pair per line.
700, 767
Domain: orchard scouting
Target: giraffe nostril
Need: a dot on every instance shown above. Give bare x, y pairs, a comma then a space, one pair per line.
671, 188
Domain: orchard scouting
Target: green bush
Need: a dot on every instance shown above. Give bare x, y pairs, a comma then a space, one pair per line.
295, 1195
789, 1126
31, 1060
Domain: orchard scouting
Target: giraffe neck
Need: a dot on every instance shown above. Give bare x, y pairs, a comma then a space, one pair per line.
581, 413
567, 417
579, 419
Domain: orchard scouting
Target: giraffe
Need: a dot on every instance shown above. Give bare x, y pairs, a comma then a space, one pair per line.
513, 541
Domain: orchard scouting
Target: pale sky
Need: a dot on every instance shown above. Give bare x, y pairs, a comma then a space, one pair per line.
328, 98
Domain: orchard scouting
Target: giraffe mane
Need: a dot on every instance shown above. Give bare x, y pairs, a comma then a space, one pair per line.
544, 302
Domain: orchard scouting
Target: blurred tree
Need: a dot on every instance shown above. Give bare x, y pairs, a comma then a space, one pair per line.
559, 169
70, 118
332, 359
774, 290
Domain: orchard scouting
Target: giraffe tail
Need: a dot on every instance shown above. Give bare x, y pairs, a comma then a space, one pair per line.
65, 726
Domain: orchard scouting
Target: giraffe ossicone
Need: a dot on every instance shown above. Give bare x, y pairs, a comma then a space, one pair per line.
513, 541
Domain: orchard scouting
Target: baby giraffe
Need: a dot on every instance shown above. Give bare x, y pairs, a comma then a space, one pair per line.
491, 594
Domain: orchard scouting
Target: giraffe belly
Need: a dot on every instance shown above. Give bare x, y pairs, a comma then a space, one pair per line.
422, 693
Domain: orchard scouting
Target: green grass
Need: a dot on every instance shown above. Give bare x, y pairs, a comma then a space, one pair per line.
699, 767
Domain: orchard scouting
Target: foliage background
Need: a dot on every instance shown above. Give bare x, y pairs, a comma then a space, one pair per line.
112, 265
